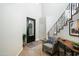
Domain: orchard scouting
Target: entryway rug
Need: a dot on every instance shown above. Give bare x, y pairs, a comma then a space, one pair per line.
33, 44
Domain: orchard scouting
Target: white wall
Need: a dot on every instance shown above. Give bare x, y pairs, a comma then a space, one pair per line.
13, 25
52, 11
42, 28
50, 22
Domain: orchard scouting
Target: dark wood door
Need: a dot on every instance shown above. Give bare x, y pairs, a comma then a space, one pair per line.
30, 29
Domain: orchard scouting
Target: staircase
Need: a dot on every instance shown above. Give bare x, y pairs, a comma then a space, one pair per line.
71, 10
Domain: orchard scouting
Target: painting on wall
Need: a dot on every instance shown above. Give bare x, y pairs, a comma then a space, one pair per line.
68, 13
74, 28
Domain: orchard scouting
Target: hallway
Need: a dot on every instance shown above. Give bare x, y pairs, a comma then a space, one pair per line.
33, 51
35, 22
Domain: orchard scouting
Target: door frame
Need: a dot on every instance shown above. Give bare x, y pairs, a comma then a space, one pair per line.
27, 19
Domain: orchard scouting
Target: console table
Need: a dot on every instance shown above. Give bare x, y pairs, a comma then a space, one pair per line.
67, 45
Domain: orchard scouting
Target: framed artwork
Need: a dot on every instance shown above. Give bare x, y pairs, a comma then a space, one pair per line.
68, 12
74, 8
74, 25
74, 28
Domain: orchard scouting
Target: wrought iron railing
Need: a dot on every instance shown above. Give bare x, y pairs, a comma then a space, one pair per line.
71, 10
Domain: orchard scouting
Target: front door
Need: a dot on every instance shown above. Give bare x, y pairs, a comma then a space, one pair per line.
30, 29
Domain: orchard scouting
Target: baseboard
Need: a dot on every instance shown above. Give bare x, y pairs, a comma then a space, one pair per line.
20, 51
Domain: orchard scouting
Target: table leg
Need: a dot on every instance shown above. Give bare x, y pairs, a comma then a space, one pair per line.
75, 54
64, 51
58, 51
72, 53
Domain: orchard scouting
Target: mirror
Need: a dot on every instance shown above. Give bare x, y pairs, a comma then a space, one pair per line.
31, 28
